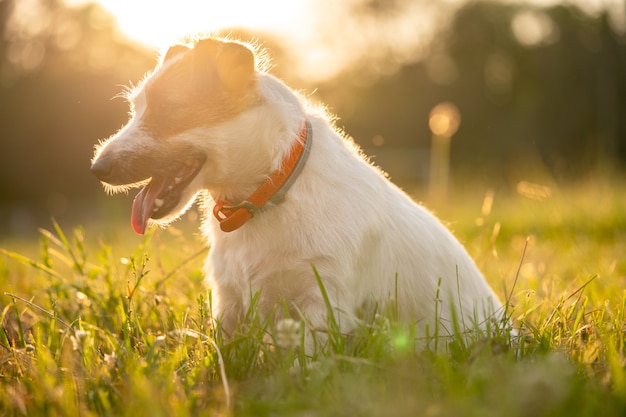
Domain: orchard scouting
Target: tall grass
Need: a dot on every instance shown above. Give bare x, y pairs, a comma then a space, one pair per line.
93, 328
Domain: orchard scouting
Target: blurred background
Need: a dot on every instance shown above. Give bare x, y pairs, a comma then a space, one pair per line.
537, 88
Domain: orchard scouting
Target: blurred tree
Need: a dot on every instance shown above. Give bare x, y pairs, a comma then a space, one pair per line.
533, 84
562, 87
59, 69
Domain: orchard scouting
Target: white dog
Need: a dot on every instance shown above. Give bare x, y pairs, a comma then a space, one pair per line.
284, 194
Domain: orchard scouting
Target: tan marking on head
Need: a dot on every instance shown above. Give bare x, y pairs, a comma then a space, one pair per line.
200, 87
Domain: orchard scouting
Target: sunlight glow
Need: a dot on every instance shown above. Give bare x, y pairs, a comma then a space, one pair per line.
158, 23
324, 36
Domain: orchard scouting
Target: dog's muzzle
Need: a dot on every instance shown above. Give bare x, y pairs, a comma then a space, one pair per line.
102, 169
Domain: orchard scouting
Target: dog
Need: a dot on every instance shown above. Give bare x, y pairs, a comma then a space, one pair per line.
293, 211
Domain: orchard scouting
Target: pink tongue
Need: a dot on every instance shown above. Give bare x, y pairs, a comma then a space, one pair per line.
143, 204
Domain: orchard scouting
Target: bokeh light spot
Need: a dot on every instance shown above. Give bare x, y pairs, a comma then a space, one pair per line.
444, 119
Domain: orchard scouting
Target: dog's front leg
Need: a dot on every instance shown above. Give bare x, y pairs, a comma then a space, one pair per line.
324, 325
227, 308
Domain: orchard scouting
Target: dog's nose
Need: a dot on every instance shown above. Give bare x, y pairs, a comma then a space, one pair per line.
102, 169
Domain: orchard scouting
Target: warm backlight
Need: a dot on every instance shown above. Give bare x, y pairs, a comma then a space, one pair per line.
158, 23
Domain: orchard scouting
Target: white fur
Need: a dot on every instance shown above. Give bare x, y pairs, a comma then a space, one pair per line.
365, 237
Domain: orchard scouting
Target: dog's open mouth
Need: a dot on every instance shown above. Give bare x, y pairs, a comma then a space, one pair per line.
162, 194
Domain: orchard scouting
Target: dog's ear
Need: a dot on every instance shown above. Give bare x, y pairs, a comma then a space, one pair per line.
232, 62
174, 51
235, 66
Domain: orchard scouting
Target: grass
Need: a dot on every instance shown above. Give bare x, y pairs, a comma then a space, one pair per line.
94, 326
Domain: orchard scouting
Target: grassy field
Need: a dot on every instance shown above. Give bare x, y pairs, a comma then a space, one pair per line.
99, 322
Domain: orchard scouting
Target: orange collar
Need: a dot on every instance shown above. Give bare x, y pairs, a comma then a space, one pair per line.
273, 189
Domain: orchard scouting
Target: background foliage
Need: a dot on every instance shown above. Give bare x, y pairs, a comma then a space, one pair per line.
549, 106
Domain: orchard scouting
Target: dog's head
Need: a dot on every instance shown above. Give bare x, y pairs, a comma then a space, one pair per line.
161, 148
